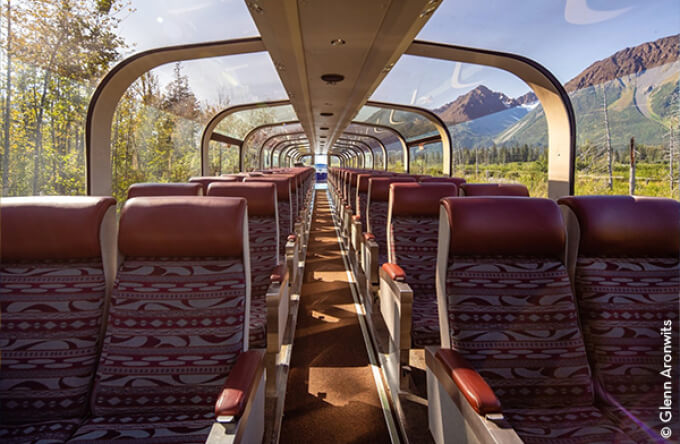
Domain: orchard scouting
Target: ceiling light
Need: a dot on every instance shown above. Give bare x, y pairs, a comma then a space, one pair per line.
332, 79
326, 114
338, 42
255, 7
324, 128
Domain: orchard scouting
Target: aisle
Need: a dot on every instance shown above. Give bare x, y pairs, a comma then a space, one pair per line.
331, 395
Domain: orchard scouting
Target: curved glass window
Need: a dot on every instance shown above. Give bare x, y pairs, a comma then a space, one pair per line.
410, 125
623, 85
265, 135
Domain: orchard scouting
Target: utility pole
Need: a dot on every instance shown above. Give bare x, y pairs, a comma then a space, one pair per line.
631, 181
610, 152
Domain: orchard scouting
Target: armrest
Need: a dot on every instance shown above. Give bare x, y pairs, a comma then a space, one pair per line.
369, 236
356, 218
240, 385
292, 237
471, 384
279, 273
394, 271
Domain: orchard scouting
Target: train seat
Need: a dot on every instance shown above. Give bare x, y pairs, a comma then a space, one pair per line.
455, 180
177, 333
289, 243
269, 303
57, 262
408, 301
207, 180
512, 366
494, 189
375, 238
624, 253
164, 189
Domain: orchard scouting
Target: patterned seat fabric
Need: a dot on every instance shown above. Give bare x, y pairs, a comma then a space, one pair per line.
414, 231
628, 293
284, 206
512, 314
52, 301
152, 429
377, 208
177, 320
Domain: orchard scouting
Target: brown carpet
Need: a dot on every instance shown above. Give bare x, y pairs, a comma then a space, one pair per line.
331, 395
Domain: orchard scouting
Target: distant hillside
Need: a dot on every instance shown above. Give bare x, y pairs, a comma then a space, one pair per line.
628, 61
479, 102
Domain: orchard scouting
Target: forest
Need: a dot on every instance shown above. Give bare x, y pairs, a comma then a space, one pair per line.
55, 52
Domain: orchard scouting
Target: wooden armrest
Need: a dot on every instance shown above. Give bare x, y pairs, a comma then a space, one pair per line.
279, 273
394, 271
240, 383
471, 384
369, 236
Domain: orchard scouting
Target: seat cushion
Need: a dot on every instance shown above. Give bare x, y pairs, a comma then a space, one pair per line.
262, 236
377, 224
624, 304
51, 318
573, 425
257, 327
641, 424
150, 429
413, 243
46, 432
174, 332
516, 322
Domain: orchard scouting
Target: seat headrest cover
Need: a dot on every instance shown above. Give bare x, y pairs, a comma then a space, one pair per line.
187, 226
362, 180
284, 184
457, 180
420, 199
51, 227
626, 226
495, 189
379, 187
505, 226
164, 189
261, 196
207, 180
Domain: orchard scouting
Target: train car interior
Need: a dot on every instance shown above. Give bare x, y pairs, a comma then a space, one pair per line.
315, 221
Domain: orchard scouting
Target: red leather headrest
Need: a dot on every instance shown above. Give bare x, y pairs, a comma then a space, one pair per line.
283, 184
238, 176
362, 180
626, 226
505, 226
51, 227
261, 196
379, 187
187, 226
457, 180
164, 189
494, 189
207, 180
420, 199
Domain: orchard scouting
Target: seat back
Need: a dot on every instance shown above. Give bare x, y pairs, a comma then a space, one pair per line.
284, 207
263, 232
413, 220
494, 189
376, 210
625, 255
455, 180
505, 300
179, 309
57, 257
207, 180
164, 189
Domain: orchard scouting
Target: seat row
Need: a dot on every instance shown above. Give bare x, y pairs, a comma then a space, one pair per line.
541, 321
161, 328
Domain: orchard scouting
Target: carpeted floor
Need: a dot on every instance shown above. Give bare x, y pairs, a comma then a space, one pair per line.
331, 395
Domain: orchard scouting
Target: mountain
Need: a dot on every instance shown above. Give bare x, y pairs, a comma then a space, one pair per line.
628, 61
640, 85
479, 102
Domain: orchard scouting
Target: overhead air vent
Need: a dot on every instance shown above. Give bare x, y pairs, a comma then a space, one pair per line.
326, 114
332, 79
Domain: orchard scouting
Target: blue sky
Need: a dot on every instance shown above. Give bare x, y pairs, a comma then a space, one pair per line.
564, 35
